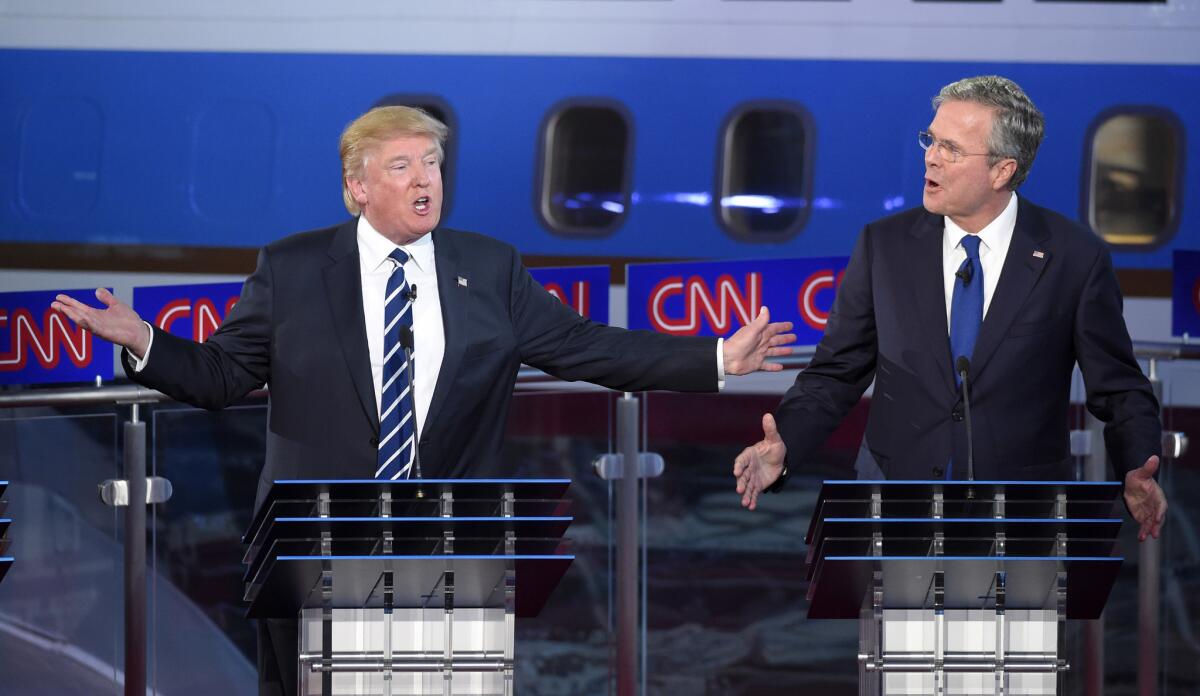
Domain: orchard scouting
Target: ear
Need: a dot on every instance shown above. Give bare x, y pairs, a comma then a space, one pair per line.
358, 190
1003, 173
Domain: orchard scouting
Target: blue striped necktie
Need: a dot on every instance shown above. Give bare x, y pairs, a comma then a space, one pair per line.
966, 304
397, 419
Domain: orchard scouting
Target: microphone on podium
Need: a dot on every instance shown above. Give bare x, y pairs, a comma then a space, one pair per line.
963, 366
406, 343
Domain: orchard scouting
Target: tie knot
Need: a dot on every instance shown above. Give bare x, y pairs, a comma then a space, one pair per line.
398, 256
970, 244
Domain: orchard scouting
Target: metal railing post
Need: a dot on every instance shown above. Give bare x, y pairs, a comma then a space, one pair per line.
1095, 468
1149, 574
627, 547
135, 556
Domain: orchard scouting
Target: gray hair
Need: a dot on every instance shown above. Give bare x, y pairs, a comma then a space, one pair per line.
1017, 127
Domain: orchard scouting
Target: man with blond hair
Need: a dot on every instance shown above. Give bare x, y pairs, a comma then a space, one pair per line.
323, 318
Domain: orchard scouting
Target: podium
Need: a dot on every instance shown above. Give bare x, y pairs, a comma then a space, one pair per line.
5, 560
407, 587
962, 587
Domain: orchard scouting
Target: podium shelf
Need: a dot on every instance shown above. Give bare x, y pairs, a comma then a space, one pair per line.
5, 563
292, 583
969, 582
406, 491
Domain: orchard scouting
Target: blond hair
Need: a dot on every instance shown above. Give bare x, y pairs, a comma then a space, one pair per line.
378, 125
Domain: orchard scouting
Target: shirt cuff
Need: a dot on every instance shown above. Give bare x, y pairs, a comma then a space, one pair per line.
720, 364
140, 363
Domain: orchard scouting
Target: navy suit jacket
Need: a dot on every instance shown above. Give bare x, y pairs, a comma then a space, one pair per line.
298, 327
1057, 304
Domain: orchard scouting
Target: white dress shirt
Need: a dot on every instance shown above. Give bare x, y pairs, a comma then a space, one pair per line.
993, 249
429, 336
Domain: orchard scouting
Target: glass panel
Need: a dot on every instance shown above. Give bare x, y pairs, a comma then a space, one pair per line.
765, 158
585, 169
727, 609
200, 640
1179, 630
1133, 183
61, 602
567, 649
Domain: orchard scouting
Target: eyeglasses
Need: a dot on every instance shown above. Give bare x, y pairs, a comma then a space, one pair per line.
945, 150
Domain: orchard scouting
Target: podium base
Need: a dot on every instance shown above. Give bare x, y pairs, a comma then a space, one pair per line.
429, 651
959, 653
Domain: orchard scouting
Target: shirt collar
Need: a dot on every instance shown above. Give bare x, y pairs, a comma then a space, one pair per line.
994, 236
374, 248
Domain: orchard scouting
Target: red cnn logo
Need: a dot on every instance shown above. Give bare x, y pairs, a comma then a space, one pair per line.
580, 298
807, 297
719, 305
47, 343
203, 314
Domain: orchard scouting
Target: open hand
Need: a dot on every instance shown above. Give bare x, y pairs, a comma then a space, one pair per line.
747, 350
1145, 499
760, 465
117, 323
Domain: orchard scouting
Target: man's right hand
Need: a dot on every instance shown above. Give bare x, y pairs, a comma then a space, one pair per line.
760, 465
118, 323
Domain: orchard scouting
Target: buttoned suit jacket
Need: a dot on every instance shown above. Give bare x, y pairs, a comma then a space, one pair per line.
1057, 303
298, 327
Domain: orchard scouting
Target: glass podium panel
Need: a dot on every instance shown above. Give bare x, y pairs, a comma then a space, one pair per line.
61, 601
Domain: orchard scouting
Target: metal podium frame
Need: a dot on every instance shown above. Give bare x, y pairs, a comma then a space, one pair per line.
404, 587
966, 585
5, 561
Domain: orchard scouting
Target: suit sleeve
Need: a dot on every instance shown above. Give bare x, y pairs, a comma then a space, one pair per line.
232, 362
555, 339
1117, 391
842, 367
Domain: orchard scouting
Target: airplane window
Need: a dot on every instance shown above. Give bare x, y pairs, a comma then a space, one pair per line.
765, 171
1132, 177
438, 108
584, 172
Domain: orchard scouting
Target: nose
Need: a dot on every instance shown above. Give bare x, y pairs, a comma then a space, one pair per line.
933, 155
423, 179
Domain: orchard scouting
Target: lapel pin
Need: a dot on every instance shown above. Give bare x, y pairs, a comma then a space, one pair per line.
1039, 254
462, 281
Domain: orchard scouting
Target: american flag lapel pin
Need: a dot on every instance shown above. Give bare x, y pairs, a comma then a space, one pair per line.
462, 282
1039, 254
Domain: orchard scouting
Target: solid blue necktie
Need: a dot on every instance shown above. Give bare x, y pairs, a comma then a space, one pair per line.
397, 419
966, 305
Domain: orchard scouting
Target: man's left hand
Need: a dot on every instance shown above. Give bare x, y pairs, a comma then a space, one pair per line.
748, 349
1145, 499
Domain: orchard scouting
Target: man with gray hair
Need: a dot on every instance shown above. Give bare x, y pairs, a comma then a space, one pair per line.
977, 281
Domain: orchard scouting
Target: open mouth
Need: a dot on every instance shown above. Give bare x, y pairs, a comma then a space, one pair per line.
931, 185
422, 205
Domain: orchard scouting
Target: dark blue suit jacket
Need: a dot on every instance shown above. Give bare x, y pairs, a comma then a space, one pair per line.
298, 327
1057, 303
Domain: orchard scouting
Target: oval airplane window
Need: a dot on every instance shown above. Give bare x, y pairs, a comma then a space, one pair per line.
1132, 177
60, 157
765, 171
440, 109
584, 168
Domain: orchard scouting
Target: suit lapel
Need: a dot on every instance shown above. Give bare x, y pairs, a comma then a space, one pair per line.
1027, 258
455, 297
343, 286
926, 278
